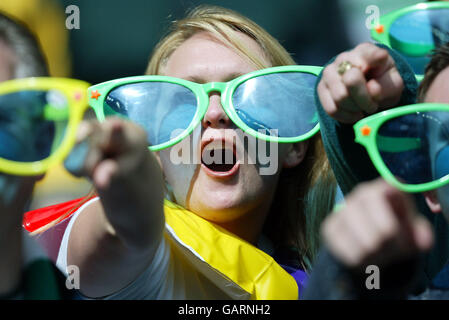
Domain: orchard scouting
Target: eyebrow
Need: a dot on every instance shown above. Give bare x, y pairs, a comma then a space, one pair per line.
202, 81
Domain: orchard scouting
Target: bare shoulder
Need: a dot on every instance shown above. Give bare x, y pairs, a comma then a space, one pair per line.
90, 228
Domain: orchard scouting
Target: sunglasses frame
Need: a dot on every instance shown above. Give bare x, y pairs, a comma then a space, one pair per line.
75, 93
381, 32
366, 131
98, 93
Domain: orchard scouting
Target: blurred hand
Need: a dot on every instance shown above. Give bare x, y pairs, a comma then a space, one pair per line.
372, 83
377, 225
109, 150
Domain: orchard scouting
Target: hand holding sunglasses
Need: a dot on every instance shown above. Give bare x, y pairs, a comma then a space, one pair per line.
274, 104
38, 122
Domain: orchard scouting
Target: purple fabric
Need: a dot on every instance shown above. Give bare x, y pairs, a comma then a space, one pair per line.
289, 259
299, 275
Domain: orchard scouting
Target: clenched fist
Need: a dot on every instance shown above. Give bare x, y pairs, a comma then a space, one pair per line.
369, 84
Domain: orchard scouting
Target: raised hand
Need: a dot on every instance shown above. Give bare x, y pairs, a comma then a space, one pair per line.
360, 82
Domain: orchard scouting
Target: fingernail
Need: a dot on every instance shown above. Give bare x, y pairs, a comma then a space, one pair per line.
74, 163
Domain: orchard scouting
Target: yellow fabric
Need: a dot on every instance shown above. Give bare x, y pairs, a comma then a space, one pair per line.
250, 268
46, 19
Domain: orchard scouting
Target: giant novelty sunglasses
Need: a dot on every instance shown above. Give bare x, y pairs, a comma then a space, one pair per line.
275, 104
38, 122
415, 31
409, 145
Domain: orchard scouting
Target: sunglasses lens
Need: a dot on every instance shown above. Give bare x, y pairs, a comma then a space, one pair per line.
280, 101
32, 124
163, 109
417, 33
415, 147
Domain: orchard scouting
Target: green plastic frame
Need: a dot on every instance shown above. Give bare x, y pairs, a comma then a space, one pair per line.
382, 31
99, 92
366, 132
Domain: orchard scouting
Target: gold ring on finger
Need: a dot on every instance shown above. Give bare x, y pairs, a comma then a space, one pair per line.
343, 67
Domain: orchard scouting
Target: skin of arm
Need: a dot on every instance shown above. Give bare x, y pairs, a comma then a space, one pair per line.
115, 239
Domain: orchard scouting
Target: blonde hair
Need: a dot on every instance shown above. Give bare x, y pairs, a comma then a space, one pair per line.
221, 23
305, 194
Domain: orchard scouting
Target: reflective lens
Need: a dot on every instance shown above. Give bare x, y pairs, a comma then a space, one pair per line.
281, 101
415, 147
161, 108
416, 33
32, 124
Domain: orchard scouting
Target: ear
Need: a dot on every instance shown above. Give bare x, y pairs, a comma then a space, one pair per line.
295, 154
432, 201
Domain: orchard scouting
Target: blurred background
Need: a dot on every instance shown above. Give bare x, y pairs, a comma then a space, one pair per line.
116, 37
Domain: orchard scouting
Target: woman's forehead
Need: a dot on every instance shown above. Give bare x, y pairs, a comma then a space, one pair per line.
204, 57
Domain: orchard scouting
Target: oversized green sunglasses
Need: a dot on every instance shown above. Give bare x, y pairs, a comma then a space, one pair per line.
415, 31
275, 104
409, 145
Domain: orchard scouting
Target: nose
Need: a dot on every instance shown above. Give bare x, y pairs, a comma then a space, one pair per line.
215, 116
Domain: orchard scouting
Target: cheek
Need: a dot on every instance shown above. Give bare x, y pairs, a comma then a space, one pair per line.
178, 176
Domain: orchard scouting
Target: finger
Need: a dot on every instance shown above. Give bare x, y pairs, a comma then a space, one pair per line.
85, 154
423, 234
403, 207
326, 99
339, 239
387, 89
383, 222
374, 61
359, 228
375, 226
331, 109
128, 145
354, 80
121, 135
338, 91
85, 129
104, 173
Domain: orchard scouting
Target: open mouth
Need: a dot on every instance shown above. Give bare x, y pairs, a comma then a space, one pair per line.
219, 159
